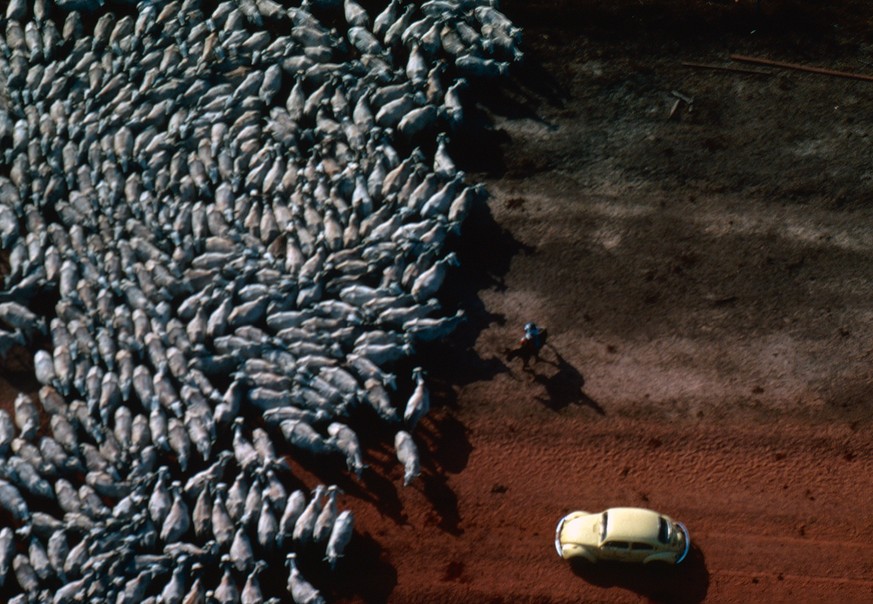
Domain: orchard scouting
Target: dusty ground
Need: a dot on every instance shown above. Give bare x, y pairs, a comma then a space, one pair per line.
708, 286
707, 283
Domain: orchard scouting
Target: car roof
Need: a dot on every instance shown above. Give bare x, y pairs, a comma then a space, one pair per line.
632, 524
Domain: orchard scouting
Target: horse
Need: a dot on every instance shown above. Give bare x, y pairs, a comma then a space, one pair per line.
528, 348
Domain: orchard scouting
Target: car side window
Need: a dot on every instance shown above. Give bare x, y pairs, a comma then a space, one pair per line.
641, 546
616, 544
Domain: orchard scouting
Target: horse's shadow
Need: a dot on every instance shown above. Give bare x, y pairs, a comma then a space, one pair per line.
563, 385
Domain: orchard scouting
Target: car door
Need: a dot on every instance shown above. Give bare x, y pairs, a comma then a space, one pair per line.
641, 551
615, 550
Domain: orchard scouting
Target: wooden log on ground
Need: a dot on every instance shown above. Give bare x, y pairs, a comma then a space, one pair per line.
727, 68
800, 67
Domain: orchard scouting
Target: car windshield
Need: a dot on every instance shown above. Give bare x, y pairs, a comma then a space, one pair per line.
663, 530
603, 526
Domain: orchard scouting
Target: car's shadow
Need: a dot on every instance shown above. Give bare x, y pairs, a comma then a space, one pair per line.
686, 583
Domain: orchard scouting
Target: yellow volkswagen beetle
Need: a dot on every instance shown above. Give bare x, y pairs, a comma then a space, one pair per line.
622, 534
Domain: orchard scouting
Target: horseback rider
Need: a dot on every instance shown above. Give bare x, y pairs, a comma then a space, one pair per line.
529, 345
533, 337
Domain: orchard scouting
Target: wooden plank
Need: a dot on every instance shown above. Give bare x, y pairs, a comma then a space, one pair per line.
800, 67
727, 68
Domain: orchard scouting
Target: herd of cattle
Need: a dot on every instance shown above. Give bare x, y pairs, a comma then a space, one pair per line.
218, 249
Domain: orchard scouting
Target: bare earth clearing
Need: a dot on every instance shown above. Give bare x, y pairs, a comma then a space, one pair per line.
707, 283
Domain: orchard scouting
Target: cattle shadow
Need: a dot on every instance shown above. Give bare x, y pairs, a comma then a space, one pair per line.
479, 146
687, 583
448, 450
17, 373
443, 449
367, 576
17, 376
485, 250
522, 95
377, 484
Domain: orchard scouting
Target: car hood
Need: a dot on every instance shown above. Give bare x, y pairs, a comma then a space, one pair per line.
584, 530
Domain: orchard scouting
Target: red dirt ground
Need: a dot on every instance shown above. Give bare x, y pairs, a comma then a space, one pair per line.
708, 286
